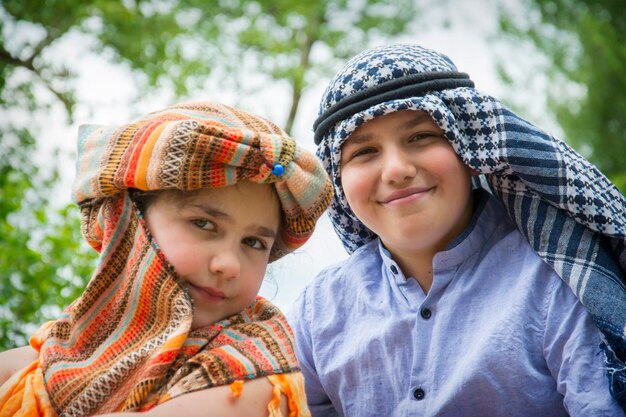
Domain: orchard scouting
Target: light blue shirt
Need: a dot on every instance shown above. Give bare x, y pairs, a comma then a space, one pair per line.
498, 334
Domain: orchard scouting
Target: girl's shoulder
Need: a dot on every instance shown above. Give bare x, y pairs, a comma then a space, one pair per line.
14, 360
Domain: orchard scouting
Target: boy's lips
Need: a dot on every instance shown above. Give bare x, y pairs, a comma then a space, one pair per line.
404, 193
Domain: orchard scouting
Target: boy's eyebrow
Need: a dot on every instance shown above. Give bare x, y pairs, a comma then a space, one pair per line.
358, 138
420, 117
219, 214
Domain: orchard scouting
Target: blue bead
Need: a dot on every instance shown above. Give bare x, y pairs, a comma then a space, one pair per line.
278, 170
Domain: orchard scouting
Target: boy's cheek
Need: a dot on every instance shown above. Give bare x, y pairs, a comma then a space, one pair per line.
470, 171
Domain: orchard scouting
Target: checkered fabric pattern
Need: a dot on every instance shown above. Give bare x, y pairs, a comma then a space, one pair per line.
571, 214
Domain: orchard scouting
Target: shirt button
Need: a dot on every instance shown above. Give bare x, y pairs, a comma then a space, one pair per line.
426, 313
394, 269
419, 394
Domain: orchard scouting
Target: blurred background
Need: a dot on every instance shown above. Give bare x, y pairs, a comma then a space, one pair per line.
63, 63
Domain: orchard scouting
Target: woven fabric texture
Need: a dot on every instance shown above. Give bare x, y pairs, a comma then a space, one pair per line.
127, 342
201, 145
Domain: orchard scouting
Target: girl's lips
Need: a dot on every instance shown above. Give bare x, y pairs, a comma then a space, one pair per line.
208, 293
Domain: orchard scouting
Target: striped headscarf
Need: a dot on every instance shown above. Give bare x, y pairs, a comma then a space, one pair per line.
127, 343
200, 145
571, 214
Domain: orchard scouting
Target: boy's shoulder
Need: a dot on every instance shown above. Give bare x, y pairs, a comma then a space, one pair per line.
362, 260
497, 232
346, 276
332, 295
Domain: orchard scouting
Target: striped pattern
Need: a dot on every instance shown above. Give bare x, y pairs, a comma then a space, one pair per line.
571, 214
126, 343
203, 145
241, 347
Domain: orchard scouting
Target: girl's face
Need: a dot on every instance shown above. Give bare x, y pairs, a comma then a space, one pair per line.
404, 181
218, 241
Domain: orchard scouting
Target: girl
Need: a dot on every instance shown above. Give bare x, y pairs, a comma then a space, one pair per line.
186, 206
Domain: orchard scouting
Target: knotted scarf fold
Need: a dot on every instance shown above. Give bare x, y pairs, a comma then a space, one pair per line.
202, 145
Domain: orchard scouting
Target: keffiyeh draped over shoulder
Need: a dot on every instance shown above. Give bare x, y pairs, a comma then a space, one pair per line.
571, 214
127, 343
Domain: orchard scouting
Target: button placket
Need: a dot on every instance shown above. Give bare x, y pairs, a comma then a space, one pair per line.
421, 378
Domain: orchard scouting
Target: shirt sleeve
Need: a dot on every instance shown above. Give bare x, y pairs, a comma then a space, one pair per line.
299, 320
573, 355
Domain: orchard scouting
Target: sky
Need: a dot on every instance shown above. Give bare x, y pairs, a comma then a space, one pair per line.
108, 89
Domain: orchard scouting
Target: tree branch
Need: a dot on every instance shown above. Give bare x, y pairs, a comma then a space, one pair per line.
16, 62
45, 42
305, 61
28, 64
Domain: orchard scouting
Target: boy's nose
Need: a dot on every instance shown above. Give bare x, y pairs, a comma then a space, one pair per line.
225, 264
397, 167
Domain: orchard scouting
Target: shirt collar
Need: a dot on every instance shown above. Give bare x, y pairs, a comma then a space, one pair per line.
485, 218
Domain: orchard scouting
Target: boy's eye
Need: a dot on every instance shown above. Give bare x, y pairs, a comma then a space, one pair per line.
203, 224
423, 135
361, 152
254, 243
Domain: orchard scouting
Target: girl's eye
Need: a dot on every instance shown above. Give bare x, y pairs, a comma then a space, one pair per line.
204, 224
254, 243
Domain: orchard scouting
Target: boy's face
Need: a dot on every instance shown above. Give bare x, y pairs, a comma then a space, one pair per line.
219, 242
404, 181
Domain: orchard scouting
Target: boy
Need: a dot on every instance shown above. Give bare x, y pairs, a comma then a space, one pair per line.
444, 308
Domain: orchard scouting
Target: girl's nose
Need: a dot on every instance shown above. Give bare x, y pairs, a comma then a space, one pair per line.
397, 167
225, 264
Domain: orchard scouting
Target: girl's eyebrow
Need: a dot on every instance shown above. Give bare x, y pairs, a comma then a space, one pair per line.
219, 214
265, 232
212, 211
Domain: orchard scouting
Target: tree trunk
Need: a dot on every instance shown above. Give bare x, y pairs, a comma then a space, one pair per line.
298, 82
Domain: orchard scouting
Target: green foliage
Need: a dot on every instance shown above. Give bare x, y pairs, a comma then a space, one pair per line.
275, 39
178, 44
173, 45
585, 42
287, 32
43, 262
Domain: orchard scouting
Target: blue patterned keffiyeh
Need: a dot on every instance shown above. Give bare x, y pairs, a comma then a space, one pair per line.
571, 214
